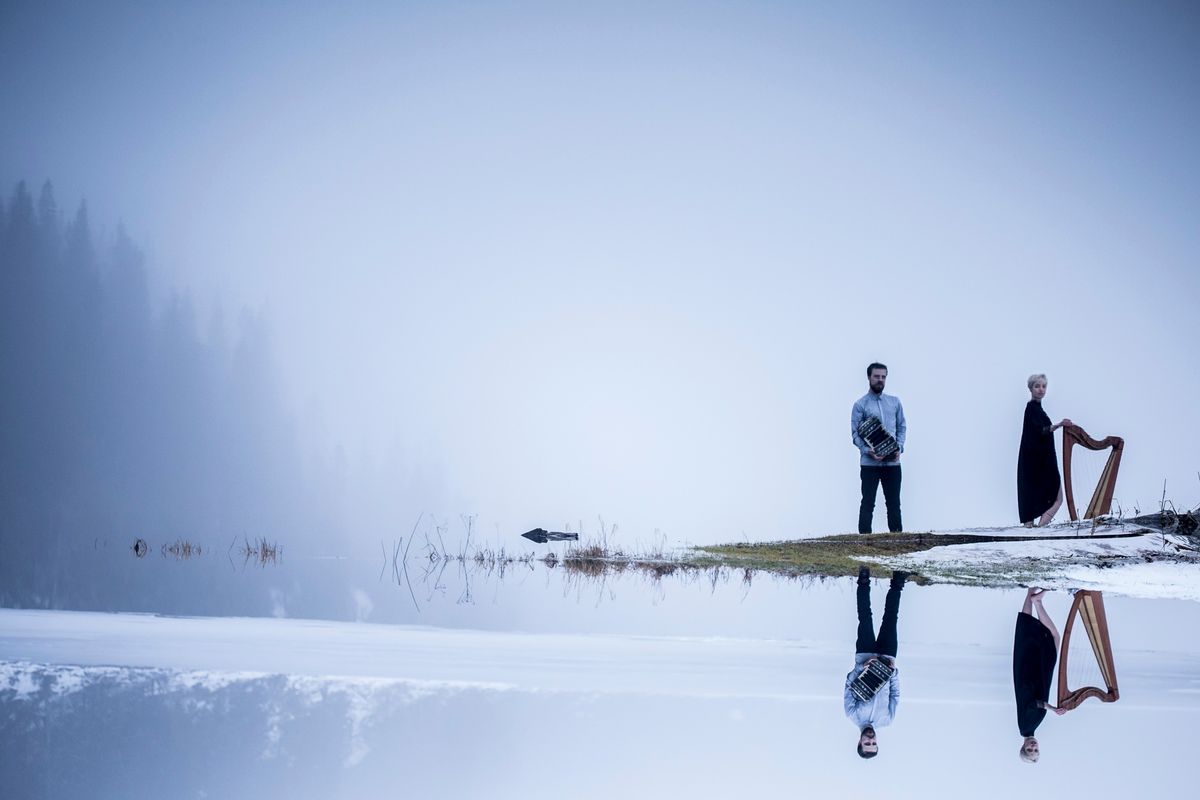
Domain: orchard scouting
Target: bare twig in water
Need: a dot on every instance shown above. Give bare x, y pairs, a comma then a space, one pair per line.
404, 565
437, 581
442, 543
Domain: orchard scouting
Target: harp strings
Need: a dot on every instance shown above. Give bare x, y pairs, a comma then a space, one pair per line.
1087, 651
1093, 621
1076, 442
1083, 669
1087, 468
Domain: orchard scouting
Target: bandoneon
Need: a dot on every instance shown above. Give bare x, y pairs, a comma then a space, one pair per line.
867, 683
873, 433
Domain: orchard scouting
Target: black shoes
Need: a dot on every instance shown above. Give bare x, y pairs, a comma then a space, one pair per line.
899, 576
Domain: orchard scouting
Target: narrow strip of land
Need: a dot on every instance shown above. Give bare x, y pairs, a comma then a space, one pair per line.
843, 554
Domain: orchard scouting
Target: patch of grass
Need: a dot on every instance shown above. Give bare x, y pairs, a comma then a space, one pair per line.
261, 552
179, 549
830, 556
834, 556
594, 559
589, 552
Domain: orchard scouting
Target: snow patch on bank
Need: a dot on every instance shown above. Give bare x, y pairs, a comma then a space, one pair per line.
1149, 565
1154, 581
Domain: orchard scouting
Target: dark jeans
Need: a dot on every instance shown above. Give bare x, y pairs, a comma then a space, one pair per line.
887, 643
871, 478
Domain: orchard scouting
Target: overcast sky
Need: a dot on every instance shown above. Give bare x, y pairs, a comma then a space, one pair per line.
632, 260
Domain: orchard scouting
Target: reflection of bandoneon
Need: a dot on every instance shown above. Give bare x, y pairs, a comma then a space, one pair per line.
873, 433
873, 678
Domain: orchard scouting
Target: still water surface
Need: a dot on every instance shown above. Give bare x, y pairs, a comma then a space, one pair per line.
322, 677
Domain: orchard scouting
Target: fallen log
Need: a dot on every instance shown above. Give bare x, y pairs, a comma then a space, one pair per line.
541, 536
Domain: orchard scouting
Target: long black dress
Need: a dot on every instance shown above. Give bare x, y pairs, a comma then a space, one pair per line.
1037, 464
1034, 655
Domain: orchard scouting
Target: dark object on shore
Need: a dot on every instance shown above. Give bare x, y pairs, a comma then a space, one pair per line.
541, 536
1170, 521
140, 548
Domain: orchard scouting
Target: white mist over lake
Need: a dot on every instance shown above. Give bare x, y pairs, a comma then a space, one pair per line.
551, 264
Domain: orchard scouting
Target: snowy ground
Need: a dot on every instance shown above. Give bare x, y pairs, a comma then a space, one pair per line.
1149, 565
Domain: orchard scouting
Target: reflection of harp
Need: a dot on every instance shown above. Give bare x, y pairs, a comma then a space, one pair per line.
1088, 608
1102, 498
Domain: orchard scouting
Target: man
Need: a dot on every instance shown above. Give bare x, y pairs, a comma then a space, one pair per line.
879, 709
874, 469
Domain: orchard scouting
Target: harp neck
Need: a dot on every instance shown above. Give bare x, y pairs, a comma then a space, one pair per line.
1077, 435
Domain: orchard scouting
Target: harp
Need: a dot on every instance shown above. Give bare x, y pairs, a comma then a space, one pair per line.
1101, 503
1085, 666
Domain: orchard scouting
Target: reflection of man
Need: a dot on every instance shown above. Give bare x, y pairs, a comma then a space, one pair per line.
873, 469
869, 707
1035, 649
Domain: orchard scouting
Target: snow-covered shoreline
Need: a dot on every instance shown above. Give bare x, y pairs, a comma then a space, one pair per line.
1148, 565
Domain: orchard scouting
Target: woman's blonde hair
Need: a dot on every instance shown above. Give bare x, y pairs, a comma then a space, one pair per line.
1034, 378
1027, 757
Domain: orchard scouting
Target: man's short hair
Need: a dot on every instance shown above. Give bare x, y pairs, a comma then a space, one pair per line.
1034, 378
874, 366
864, 753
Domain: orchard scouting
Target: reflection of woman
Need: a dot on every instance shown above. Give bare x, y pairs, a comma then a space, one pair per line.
1039, 489
1035, 649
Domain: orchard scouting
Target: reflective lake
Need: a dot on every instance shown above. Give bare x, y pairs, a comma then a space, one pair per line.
322, 677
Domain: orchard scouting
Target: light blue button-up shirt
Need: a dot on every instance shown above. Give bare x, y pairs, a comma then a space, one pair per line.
890, 412
880, 710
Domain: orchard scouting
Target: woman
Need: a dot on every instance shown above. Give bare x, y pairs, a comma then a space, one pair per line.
1035, 649
1039, 486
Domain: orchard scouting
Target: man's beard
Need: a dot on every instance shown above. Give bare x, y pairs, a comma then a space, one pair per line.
877, 388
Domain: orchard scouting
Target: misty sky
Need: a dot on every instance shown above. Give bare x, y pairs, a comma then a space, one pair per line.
631, 260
